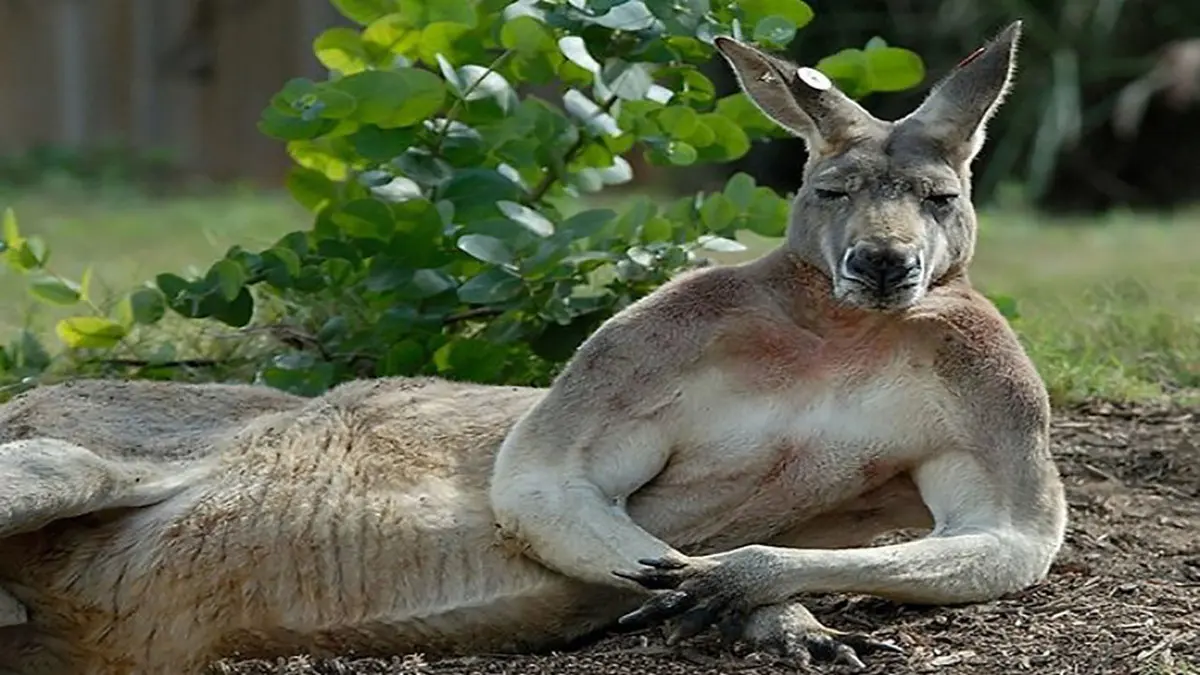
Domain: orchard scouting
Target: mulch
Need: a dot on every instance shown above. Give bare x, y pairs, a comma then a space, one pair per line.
1123, 597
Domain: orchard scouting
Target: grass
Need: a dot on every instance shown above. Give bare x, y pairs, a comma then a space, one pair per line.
1107, 308
127, 240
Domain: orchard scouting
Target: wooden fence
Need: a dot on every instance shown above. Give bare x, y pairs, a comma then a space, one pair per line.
187, 76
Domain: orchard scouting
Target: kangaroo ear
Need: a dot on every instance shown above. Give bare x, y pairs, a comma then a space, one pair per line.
957, 110
801, 100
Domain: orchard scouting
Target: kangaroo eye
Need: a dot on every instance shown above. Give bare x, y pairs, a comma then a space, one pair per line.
940, 201
830, 195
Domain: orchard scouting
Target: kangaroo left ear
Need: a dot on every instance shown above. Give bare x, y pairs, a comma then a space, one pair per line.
957, 110
801, 100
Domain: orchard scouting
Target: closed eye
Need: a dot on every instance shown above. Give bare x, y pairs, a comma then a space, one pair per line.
940, 201
830, 195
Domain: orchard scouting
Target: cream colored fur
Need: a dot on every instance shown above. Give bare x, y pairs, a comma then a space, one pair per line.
752, 427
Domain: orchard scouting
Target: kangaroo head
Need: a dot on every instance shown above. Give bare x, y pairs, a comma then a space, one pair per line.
884, 207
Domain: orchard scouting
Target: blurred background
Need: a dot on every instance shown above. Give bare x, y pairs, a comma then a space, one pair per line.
128, 137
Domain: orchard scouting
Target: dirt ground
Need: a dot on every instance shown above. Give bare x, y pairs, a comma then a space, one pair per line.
1124, 596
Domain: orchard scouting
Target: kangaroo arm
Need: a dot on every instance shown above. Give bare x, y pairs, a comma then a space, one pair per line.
569, 513
977, 551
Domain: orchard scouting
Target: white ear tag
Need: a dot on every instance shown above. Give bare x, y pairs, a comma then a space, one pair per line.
814, 78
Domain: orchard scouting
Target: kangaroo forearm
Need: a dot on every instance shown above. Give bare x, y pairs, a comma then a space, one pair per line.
936, 570
577, 532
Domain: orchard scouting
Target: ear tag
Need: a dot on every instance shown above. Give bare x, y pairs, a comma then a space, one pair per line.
814, 78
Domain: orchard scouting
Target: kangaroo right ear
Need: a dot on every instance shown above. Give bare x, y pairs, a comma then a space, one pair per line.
802, 100
956, 111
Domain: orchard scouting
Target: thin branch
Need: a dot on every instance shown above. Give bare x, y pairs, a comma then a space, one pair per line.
551, 176
452, 113
475, 313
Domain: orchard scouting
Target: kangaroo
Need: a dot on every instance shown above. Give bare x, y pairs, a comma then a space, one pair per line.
732, 441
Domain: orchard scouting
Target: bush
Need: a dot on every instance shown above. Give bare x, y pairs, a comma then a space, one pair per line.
449, 236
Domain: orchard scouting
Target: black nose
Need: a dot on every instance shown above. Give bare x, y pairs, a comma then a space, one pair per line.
882, 268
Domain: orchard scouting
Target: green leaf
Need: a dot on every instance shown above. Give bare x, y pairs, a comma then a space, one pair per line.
53, 289
768, 215
450, 40
490, 286
876, 42
230, 278
366, 218
629, 81
406, 357
89, 332
527, 218
739, 190
795, 11
12, 232
11, 239
378, 144
525, 34
425, 284
587, 223
730, 142
678, 120
391, 36
657, 229
681, 154
365, 11
475, 193
285, 127
471, 359
879, 68
718, 212
145, 306
173, 286
775, 30
420, 13
575, 49
394, 98
738, 108
631, 15
341, 49
894, 69
311, 189
486, 248
237, 312
298, 373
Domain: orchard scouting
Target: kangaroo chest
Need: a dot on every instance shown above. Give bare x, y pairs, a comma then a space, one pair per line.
748, 465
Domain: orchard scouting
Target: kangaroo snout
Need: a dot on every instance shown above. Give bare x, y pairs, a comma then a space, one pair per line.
882, 270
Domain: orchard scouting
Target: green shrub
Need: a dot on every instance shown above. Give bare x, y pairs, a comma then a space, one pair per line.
448, 236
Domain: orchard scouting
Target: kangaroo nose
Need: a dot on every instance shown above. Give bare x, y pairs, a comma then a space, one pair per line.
881, 268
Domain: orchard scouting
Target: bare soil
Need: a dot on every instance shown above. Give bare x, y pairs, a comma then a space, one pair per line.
1123, 597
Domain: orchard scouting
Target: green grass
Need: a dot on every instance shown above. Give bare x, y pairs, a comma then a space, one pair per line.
1108, 308
128, 239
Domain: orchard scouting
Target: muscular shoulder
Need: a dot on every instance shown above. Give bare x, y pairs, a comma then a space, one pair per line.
981, 360
650, 342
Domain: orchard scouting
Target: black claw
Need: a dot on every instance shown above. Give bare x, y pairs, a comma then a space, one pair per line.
865, 643
662, 563
649, 580
660, 608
